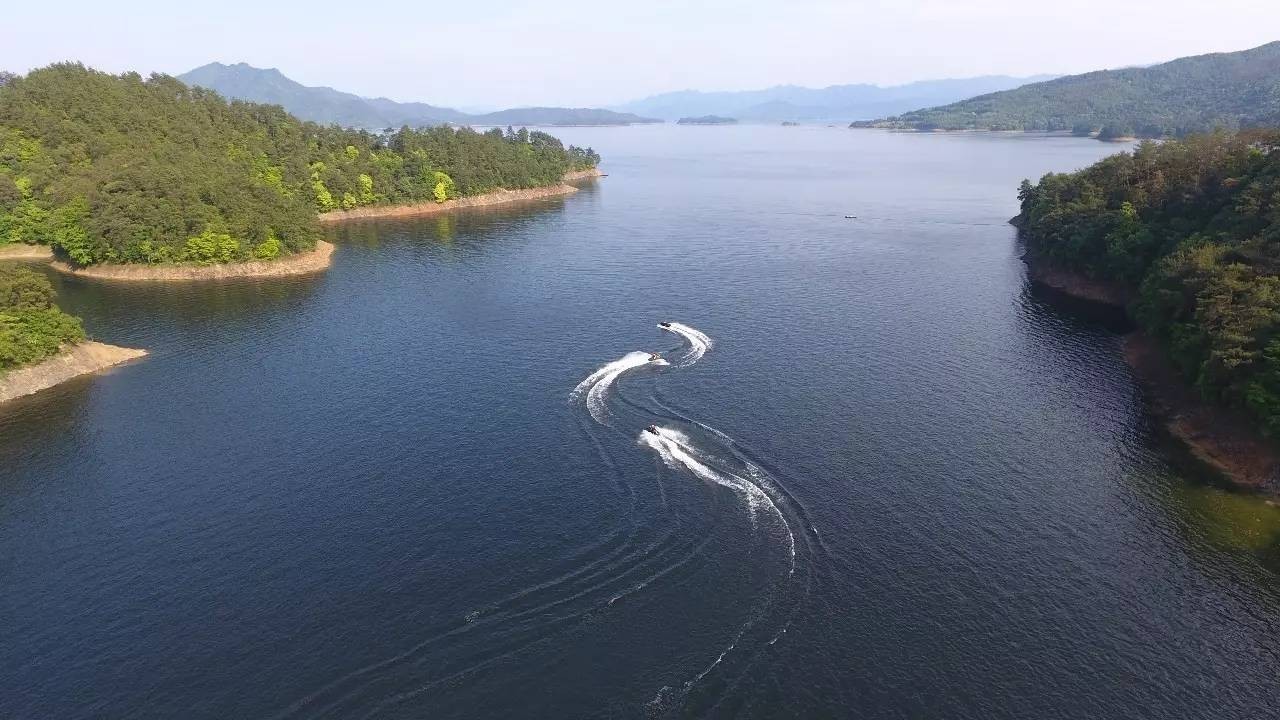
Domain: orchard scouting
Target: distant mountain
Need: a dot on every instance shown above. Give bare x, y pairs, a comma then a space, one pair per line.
1191, 94
326, 105
838, 102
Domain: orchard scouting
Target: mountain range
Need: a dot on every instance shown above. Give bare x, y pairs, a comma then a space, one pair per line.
1187, 95
326, 105
837, 102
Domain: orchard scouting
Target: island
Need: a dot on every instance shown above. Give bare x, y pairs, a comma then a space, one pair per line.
1181, 236
707, 120
150, 179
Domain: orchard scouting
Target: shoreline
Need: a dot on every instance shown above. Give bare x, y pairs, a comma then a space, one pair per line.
1219, 438
22, 251
485, 200
306, 263
989, 131
82, 359
1069, 282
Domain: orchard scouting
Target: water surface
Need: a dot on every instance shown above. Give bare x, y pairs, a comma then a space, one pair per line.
899, 483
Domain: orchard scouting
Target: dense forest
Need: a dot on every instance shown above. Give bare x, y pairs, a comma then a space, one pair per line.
1178, 98
124, 169
1193, 227
31, 327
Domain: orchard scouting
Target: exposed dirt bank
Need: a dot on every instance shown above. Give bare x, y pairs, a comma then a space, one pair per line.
299, 264
582, 175
82, 359
22, 251
498, 197
1222, 439
1076, 285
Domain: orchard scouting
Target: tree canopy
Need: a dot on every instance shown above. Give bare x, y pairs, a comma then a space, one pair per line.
31, 327
108, 168
1194, 227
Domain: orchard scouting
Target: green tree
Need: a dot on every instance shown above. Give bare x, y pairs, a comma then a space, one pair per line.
443, 187
211, 247
268, 249
31, 327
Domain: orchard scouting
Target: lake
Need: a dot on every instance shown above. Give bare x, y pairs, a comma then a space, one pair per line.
894, 480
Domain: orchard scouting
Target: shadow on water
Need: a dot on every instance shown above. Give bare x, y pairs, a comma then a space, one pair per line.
1210, 514
453, 234
114, 304
1108, 317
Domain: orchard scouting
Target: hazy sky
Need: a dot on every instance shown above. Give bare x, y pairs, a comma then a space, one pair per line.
494, 53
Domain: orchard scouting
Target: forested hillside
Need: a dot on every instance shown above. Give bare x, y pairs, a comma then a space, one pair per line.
124, 169
1188, 95
1194, 227
31, 327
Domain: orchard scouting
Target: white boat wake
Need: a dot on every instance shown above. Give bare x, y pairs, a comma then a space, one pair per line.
676, 450
698, 457
699, 342
596, 386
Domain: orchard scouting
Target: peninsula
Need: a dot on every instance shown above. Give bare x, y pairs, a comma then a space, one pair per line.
41, 346
486, 200
149, 179
1182, 235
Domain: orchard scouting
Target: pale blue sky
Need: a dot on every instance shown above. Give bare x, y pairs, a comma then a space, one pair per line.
592, 52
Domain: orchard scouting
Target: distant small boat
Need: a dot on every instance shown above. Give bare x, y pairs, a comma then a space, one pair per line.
850, 217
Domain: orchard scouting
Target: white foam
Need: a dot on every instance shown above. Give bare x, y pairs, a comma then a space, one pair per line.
676, 450
596, 386
699, 342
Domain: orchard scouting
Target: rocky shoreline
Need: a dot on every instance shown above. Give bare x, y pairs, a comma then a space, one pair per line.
1075, 284
497, 197
1219, 438
298, 264
82, 359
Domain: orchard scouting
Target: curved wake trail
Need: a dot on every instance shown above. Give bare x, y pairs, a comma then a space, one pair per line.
675, 449
597, 385
699, 342
630, 562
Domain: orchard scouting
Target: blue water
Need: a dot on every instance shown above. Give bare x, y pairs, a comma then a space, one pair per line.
900, 483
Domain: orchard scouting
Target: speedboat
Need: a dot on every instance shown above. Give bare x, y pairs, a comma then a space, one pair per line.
654, 357
664, 325
652, 429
